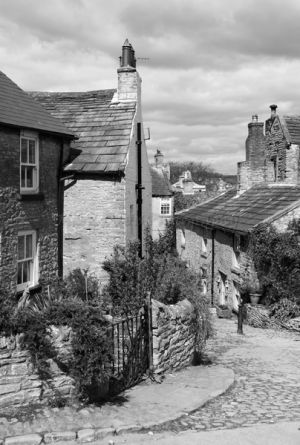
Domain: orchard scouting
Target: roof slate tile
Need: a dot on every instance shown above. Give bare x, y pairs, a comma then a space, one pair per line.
102, 126
241, 213
19, 109
160, 184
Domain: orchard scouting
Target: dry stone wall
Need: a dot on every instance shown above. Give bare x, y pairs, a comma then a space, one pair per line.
173, 335
20, 384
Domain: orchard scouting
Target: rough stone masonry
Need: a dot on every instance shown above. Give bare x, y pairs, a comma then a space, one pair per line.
173, 335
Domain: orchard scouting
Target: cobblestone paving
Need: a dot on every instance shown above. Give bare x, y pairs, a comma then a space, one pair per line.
267, 380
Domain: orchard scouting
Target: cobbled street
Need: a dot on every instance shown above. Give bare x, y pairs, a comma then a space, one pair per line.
267, 380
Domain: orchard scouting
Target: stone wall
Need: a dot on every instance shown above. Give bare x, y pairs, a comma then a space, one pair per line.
173, 335
94, 223
37, 212
20, 385
229, 266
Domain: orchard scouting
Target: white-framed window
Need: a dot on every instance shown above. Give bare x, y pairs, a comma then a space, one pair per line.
29, 162
203, 272
203, 245
182, 238
222, 284
236, 252
236, 296
165, 206
27, 264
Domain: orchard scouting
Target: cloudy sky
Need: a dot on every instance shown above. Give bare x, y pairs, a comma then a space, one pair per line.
212, 64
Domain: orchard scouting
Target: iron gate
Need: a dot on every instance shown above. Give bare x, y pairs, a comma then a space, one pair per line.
130, 342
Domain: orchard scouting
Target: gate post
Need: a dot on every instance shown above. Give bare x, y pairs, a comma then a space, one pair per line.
150, 333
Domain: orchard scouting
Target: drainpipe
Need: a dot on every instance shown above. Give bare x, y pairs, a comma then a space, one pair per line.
60, 211
139, 187
213, 233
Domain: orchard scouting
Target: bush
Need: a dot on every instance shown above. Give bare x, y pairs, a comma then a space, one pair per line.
285, 309
162, 273
64, 304
276, 258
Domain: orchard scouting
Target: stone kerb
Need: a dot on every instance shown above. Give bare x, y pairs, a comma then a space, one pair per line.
20, 383
174, 333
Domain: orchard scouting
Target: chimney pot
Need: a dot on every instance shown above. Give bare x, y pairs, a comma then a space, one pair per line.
254, 118
128, 55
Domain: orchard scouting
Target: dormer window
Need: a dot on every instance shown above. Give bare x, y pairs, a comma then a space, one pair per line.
29, 163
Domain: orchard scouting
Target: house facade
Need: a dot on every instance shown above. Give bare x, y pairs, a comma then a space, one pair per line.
162, 195
187, 186
108, 183
34, 148
213, 237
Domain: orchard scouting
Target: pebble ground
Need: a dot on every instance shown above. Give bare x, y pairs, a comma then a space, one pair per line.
266, 364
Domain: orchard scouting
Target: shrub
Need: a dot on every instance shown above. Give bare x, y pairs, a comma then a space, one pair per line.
285, 309
276, 258
162, 273
63, 304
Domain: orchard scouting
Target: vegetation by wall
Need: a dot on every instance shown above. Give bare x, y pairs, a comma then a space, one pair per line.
276, 257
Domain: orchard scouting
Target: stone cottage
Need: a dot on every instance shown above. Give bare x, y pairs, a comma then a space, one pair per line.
213, 236
162, 195
187, 186
34, 148
108, 193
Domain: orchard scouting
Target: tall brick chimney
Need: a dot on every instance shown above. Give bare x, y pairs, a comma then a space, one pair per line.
253, 171
255, 143
129, 81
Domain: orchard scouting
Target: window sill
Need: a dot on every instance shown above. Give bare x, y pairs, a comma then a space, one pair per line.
204, 254
236, 270
31, 196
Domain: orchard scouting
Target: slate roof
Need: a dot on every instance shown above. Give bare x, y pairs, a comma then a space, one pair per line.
17, 108
160, 183
292, 124
241, 213
103, 128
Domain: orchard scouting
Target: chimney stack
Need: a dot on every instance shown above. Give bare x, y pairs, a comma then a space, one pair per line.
159, 158
129, 81
255, 142
273, 111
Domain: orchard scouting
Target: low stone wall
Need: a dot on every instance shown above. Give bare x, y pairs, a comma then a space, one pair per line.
173, 335
19, 382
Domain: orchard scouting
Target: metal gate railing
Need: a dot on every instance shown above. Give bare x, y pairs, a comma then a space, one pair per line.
130, 343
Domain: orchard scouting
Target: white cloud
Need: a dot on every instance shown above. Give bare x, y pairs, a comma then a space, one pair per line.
211, 64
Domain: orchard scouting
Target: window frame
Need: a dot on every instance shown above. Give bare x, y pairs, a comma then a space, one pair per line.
33, 259
30, 136
236, 252
165, 202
